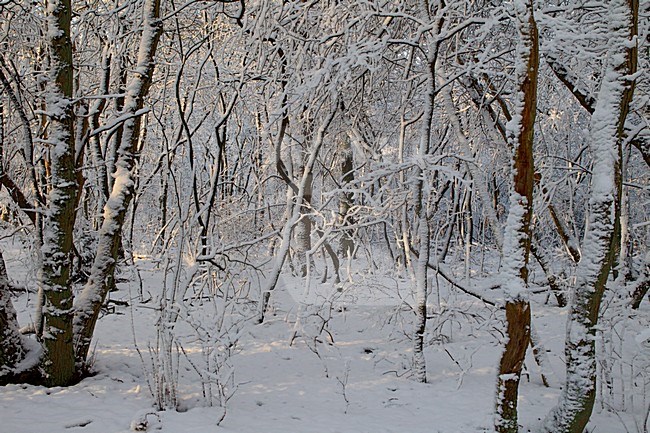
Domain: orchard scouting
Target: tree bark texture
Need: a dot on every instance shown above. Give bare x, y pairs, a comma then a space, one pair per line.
60, 213
517, 239
600, 244
97, 287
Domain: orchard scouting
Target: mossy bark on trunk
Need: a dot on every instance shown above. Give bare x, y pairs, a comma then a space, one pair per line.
60, 213
602, 238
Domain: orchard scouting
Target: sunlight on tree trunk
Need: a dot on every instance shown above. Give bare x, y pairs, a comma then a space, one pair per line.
517, 239
295, 209
96, 289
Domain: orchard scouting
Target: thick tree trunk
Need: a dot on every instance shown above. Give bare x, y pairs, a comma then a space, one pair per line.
600, 244
517, 239
97, 287
58, 362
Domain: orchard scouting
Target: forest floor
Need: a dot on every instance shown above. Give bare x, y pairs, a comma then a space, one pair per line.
353, 377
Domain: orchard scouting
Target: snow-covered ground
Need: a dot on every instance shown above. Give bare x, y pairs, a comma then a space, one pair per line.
292, 378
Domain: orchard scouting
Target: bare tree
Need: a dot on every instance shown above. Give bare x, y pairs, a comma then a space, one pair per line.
602, 236
94, 293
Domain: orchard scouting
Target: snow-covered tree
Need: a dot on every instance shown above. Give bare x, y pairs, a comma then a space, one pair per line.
602, 235
517, 236
56, 191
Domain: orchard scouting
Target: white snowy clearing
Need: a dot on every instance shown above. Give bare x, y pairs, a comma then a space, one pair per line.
357, 383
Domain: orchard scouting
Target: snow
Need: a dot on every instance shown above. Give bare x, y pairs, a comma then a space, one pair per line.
360, 383
514, 255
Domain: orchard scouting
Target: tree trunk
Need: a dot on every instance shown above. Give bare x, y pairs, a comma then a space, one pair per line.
517, 237
422, 195
58, 362
295, 210
95, 142
575, 406
96, 289
12, 350
552, 280
303, 228
346, 247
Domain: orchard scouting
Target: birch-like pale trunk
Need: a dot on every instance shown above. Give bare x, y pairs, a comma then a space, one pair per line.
599, 247
303, 228
295, 213
517, 235
96, 289
59, 218
422, 193
95, 141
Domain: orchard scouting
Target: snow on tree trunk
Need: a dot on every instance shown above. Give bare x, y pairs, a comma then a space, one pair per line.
421, 292
422, 190
97, 156
517, 239
59, 217
600, 240
424, 237
96, 289
11, 344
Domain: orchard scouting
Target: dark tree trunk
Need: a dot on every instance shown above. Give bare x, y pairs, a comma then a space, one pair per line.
517, 239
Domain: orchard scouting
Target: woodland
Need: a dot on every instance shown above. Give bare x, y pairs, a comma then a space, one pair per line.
217, 175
